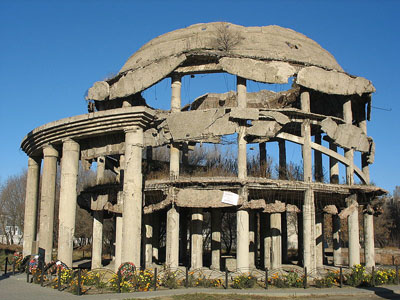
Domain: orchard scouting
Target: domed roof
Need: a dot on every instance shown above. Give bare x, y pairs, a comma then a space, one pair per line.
265, 43
269, 54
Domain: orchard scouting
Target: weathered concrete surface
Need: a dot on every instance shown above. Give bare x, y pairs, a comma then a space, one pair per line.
48, 196
260, 99
132, 203
242, 234
197, 239
333, 82
346, 135
99, 91
201, 198
140, 79
200, 124
172, 243
271, 72
31, 204
68, 197
162, 55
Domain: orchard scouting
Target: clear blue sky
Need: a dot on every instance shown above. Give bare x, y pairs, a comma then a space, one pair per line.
52, 51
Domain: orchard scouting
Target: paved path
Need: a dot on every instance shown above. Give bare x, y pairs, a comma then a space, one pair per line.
16, 288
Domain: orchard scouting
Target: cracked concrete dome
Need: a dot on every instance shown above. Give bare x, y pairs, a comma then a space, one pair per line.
269, 54
263, 43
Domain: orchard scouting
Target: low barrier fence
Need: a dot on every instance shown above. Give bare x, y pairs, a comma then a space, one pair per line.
130, 279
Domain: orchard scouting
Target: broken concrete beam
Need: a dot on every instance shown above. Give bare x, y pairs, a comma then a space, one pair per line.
276, 207
201, 198
268, 129
333, 82
136, 81
200, 124
275, 115
244, 113
346, 135
292, 208
348, 210
98, 202
114, 208
330, 209
254, 204
99, 91
262, 71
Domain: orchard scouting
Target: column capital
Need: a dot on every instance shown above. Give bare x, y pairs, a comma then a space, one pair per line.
33, 161
132, 129
49, 151
70, 144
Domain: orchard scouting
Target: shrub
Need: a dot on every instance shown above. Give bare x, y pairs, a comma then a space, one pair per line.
244, 281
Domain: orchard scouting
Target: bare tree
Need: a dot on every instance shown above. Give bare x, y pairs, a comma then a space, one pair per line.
12, 198
226, 38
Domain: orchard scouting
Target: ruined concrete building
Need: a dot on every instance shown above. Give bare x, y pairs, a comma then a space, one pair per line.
324, 110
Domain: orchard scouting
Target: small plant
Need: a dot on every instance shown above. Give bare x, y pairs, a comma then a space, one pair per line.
244, 281
202, 281
357, 276
291, 279
169, 280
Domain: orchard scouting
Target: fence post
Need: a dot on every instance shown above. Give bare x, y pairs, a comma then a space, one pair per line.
392, 259
41, 273
59, 278
13, 267
27, 272
266, 278
341, 276
155, 279
187, 278
6, 266
226, 279
397, 274
373, 276
79, 282
119, 280
305, 277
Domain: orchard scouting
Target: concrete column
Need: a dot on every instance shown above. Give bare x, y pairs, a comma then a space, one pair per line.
333, 165
262, 231
242, 240
353, 229
306, 134
175, 107
132, 206
118, 234
68, 197
349, 153
276, 240
97, 241
337, 249
318, 160
369, 243
148, 240
216, 239
156, 236
267, 240
48, 196
242, 154
252, 239
263, 158
31, 205
197, 238
309, 230
284, 232
172, 244
282, 159
300, 247
183, 252
319, 239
